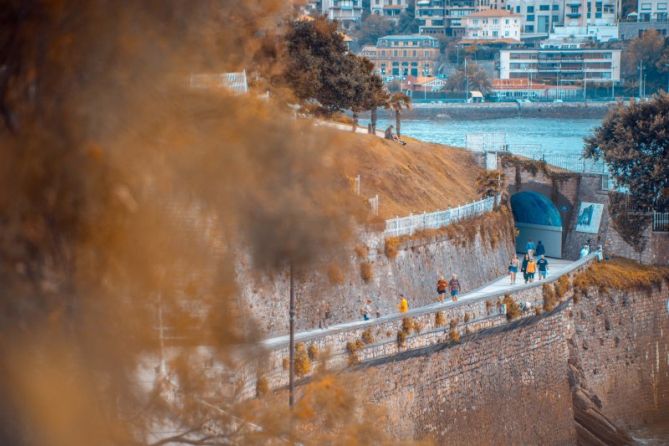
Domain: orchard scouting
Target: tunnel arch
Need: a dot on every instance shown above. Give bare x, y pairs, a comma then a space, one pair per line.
537, 218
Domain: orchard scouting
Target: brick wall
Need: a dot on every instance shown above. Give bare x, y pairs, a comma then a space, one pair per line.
622, 339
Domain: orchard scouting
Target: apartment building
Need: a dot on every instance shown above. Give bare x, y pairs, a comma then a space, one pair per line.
652, 10
404, 55
539, 17
558, 64
582, 13
492, 25
445, 16
389, 8
346, 12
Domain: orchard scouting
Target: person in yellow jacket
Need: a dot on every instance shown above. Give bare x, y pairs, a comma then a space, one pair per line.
531, 269
404, 304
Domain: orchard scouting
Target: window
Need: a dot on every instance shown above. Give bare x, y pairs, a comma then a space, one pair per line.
517, 9
530, 9
506, 34
556, 18
476, 21
530, 18
662, 6
544, 7
495, 21
506, 21
556, 7
495, 34
529, 28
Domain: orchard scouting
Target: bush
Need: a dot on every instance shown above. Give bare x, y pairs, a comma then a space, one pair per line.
302, 361
453, 324
562, 286
361, 251
366, 272
407, 325
401, 338
313, 352
550, 300
367, 336
439, 319
512, 308
454, 336
262, 387
391, 247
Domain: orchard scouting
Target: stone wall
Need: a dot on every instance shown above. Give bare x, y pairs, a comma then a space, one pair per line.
622, 340
413, 272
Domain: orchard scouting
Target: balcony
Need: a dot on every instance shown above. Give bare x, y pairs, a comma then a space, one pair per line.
573, 15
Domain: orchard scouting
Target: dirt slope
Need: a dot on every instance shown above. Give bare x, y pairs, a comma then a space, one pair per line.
414, 178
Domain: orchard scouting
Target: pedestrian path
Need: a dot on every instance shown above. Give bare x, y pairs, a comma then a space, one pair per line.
498, 286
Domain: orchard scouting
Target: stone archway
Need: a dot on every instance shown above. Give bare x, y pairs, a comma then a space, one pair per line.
537, 218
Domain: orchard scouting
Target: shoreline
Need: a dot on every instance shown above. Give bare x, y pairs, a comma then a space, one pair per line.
496, 110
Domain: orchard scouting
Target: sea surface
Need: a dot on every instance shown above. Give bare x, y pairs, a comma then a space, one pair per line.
550, 135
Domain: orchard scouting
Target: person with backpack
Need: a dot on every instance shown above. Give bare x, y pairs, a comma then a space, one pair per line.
523, 267
531, 269
530, 247
542, 264
442, 285
541, 249
454, 285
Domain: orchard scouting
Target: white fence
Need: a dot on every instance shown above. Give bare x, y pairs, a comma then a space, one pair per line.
661, 221
433, 220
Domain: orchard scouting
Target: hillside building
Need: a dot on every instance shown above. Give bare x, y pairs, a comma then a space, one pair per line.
346, 12
404, 55
493, 25
652, 10
389, 8
561, 64
445, 16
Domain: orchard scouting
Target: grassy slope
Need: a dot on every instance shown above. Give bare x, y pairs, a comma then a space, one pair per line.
413, 178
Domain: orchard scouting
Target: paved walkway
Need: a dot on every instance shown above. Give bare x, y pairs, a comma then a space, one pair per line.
500, 285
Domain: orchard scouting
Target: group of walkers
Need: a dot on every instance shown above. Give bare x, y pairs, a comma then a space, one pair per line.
534, 262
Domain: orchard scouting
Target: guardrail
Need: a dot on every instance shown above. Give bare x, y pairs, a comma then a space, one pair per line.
660, 221
434, 220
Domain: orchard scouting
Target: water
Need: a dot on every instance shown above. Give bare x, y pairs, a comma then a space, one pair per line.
559, 136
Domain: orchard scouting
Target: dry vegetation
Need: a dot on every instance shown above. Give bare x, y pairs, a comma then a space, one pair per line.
562, 286
418, 177
439, 319
491, 227
262, 387
621, 274
367, 336
550, 300
366, 272
512, 308
302, 361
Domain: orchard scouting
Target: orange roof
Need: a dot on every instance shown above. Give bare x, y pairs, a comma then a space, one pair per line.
493, 13
489, 41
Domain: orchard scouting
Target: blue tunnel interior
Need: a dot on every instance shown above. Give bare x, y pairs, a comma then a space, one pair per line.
534, 208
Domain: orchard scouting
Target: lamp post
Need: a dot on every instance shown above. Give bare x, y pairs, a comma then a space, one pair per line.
291, 343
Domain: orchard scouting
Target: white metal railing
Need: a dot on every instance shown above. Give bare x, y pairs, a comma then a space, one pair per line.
433, 220
660, 221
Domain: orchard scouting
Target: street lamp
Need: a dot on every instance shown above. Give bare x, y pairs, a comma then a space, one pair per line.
291, 343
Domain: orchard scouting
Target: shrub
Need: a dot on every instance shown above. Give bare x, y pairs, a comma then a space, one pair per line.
361, 251
391, 247
620, 274
512, 308
313, 352
561, 287
439, 319
401, 338
407, 325
453, 324
262, 387
335, 274
417, 326
366, 272
454, 336
367, 336
550, 300
302, 361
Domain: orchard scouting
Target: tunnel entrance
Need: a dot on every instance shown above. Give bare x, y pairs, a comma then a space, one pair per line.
537, 218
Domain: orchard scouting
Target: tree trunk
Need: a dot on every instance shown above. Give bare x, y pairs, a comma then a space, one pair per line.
373, 119
397, 122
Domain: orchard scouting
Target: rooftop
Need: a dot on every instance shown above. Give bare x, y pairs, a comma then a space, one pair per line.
408, 37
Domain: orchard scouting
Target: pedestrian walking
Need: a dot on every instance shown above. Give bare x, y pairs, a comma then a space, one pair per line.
529, 247
542, 264
541, 249
454, 286
324, 314
404, 304
531, 269
513, 269
442, 286
523, 267
585, 250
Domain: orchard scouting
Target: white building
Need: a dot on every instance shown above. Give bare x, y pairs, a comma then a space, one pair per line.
539, 17
493, 25
389, 8
652, 10
346, 12
565, 63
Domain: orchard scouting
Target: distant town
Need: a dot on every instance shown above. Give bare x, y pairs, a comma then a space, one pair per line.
508, 50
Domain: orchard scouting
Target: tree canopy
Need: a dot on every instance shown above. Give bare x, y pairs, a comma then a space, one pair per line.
477, 77
319, 67
651, 50
634, 142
